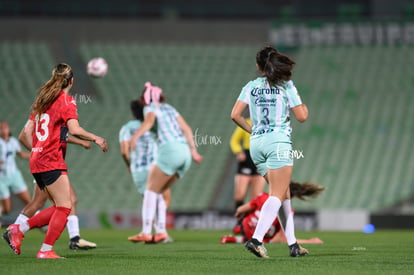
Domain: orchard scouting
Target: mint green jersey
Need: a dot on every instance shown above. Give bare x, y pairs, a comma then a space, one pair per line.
8, 150
270, 107
168, 129
146, 147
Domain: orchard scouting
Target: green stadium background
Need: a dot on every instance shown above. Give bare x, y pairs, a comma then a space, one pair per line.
357, 142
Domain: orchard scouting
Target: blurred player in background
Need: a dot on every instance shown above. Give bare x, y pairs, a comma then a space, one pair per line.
247, 174
40, 196
54, 115
139, 162
176, 148
270, 98
250, 213
11, 178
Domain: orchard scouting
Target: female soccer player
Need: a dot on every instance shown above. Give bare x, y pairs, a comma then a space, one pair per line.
247, 174
269, 98
54, 114
40, 196
10, 176
250, 214
139, 162
176, 147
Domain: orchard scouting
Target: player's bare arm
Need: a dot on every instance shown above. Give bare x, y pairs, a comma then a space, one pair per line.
237, 116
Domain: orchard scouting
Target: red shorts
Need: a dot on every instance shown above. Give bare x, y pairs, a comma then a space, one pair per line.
44, 179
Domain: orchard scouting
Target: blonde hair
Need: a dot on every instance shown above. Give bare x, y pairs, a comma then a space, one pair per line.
47, 94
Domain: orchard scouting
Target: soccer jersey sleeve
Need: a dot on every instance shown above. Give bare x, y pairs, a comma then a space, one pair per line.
244, 95
149, 109
70, 110
292, 95
124, 134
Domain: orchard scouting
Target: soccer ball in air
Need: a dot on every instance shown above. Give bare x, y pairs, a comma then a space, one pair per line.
97, 67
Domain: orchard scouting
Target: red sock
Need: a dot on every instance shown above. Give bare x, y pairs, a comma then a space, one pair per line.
56, 225
42, 218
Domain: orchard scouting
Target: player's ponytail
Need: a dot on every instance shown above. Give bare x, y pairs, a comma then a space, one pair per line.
47, 94
151, 93
278, 68
305, 189
263, 55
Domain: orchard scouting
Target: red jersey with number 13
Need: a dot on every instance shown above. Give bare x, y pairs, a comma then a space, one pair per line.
50, 135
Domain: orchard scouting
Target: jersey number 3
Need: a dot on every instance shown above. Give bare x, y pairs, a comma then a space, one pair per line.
42, 131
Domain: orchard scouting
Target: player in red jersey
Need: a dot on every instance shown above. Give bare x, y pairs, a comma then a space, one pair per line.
39, 199
54, 115
248, 215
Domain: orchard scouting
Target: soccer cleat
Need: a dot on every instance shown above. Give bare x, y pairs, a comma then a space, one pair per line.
297, 251
48, 255
78, 243
257, 248
14, 237
160, 237
228, 239
141, 237
168, 239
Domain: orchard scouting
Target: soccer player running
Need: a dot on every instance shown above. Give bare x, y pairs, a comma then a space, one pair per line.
11, 178
54, 114
139, 162
176, 148
40, 196
269, 98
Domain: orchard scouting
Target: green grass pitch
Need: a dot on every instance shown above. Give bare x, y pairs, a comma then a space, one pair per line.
199, 252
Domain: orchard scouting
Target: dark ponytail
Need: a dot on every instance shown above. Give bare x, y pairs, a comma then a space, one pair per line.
263, 55
305, 189
278, 68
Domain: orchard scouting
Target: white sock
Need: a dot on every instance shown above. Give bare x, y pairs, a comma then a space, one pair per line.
267, 216
73, 226
45, 247
290, 226
21, 218
24, 227
239, 239
161, 214
148, 210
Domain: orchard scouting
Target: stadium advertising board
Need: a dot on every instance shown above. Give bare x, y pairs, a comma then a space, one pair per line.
342, 34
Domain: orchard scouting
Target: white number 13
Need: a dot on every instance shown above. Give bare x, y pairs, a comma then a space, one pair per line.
43, 132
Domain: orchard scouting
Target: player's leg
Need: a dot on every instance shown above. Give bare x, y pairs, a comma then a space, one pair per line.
60, 193
290, 227
279, 180
161, 219
14, 234
38, 200
257, 183
5, 195
75, 241
241, 184
24, 196
6, 205
19, 187
158, 181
